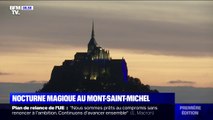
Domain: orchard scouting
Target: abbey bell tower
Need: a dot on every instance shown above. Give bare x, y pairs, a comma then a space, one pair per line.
94, 51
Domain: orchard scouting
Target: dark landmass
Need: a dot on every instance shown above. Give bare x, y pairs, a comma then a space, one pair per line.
132, 85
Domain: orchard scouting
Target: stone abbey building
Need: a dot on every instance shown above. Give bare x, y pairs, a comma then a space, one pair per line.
92, 71
95, 64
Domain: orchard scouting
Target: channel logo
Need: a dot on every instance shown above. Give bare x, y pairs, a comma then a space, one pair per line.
16, 9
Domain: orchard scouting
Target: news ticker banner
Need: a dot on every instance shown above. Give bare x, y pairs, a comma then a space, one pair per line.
90, 98
150, 106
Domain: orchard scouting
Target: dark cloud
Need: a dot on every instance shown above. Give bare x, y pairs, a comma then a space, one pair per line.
54, 27
35, 81
181, 82
4, 73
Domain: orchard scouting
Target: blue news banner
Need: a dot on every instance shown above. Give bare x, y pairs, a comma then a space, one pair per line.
148, 106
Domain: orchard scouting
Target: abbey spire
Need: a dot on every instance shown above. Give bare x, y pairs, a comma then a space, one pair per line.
92, 43
93, 32
94, 51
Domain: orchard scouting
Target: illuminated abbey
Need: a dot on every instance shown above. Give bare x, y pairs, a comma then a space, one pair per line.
95, 64
92, 71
